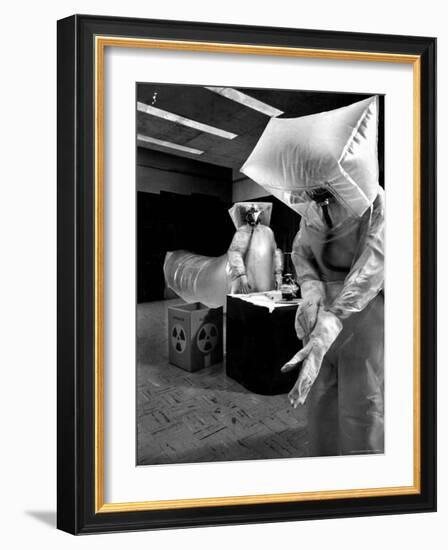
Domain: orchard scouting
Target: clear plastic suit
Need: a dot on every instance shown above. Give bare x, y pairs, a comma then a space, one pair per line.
325, 167
255, 262
252, 263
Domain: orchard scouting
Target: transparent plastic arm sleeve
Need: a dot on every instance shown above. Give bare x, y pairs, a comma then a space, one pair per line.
312, 289
366, 277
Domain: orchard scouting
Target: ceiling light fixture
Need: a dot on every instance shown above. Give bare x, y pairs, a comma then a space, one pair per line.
246, 100
178, 119
169, 144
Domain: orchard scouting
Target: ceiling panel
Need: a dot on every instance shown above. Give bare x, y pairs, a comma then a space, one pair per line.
202, 105
198, 103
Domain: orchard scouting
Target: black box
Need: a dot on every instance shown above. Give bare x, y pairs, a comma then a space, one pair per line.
258, 344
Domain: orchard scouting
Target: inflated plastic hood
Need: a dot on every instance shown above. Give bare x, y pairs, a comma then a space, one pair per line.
335, 149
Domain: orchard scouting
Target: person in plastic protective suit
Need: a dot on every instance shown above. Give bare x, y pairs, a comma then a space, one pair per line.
252, 263
325, 167
255, 262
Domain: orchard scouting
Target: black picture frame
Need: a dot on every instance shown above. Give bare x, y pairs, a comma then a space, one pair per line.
76, 475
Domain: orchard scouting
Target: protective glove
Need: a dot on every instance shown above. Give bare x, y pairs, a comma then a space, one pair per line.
313, 295
241, 285
325, 332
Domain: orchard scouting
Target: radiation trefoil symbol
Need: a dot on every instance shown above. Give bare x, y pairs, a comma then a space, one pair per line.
178, 339
207, 338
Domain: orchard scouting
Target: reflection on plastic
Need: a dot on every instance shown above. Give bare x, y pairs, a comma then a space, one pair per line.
198, 278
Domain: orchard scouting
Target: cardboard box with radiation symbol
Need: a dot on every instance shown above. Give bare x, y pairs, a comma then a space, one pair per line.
195, 336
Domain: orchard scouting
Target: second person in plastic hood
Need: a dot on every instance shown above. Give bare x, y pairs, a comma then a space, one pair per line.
255, 262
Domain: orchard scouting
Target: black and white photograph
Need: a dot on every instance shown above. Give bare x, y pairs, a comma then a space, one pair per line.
224, 275
260, 273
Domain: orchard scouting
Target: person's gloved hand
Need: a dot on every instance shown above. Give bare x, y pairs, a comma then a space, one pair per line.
306, 317
242, 285
278, 281
327, 329
313, 294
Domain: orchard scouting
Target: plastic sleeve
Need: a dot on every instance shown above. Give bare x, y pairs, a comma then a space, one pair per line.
366, 277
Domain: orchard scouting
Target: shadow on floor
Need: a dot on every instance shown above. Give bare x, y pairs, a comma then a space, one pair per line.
48, 517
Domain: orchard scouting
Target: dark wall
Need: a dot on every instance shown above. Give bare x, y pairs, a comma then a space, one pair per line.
181, 203
284, 223
170, 221
157, 171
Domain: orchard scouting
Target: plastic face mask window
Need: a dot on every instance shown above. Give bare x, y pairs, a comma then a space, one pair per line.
340, 217
252, 216
320, 195
240, 210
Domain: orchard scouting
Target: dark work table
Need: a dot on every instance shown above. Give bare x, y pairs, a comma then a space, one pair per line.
259, 343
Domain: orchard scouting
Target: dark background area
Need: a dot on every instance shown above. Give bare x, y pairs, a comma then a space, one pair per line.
171, 221
182, 202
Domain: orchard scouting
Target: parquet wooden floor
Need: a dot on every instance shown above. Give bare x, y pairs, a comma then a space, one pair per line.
204, 416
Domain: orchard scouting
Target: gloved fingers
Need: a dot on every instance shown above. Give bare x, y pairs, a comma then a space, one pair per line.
295, 361
304, 352
294, 395
245, 288
243, 285
305, 387
305, 380
300, 390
